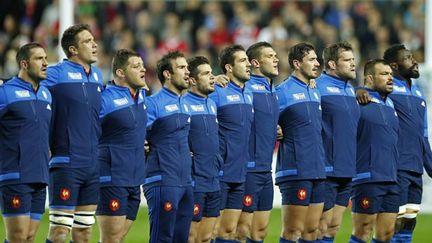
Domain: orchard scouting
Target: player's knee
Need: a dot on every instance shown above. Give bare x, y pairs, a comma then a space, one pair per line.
259, 234
58, 234
60, 225
292, 232
243, 231
18, 236
83, 220
206, 237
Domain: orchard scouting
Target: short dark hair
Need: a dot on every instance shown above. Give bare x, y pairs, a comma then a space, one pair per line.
297, 52
69, 37
369, 67
121, 58
331, 52
227, 56
194, 63
391, 54
165, 64
25, 51
254, 51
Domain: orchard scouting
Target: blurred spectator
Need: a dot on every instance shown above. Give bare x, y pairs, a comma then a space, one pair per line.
204, 27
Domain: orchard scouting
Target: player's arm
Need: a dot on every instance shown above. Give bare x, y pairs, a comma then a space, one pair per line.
3, 102
53, 76
222, 80
427, 153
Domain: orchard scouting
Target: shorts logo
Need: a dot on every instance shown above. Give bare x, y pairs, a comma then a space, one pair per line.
167, 206
15, 202
114, 205
365, 203
64, 194
247, 200
197, 209
301, 194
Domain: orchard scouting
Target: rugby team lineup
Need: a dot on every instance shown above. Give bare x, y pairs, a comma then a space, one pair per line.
201, 147
206, 173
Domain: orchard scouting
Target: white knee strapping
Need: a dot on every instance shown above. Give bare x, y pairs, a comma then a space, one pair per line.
408, 216
61, 219
83, 219
413, 207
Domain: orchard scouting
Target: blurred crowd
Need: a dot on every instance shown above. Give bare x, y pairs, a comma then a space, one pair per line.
196, 27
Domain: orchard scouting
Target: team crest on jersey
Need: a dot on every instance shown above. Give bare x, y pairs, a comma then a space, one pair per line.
301, 194
65, 194
365, 203
22, 93
401, 89
258, 87
233, 98
121, 101
167, 206
95, 76
197, 209
44, 94
75, 76
15, 202
418, 93
197, 108
299, 96
334, 90
114, 205
171, 108
247, 200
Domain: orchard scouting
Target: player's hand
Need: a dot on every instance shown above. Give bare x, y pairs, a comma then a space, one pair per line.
312, 84
363, 96
279, 134
222, 80
146, 147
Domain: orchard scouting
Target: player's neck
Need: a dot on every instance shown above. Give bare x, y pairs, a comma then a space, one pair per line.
85, 65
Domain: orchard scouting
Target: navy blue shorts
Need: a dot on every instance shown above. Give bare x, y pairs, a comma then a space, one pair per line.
70, 187
378, 197
23, 199
206, 204
411, 188
258, 192
170, 212
302, 192
231, 195
119, 201
337, 191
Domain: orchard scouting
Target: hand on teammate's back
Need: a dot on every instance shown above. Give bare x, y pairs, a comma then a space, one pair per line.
222, 80
363, 96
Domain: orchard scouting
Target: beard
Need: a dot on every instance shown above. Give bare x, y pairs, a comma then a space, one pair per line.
411, 73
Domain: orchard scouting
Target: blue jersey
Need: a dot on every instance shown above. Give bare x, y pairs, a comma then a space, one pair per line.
169, 161
235, 115
204, 143
25, 117
413, 144
340, 116
301, 153
75, 127
264, 126
121, 146
377, 138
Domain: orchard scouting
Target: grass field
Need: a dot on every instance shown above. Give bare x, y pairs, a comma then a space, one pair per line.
140, 229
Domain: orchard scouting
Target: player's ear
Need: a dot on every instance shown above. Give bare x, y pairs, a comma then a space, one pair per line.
255, 63
192, 81
166, 74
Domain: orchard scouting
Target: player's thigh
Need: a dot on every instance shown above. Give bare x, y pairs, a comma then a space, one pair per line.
385, 223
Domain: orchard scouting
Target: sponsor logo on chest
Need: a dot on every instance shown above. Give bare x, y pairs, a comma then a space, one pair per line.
258, 87
76, 76
121, 101
22, 93
171, 108
333, 90
233, 98
401, 89
299, 96
197, 108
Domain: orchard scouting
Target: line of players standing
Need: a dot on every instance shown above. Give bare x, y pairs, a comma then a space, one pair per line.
210, 149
